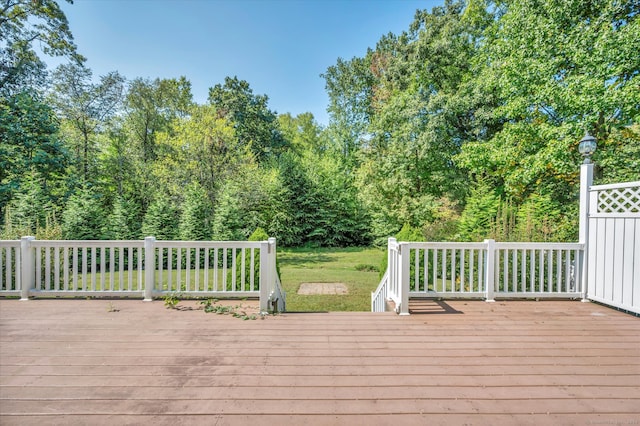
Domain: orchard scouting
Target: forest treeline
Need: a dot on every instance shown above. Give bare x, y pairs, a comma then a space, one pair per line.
463, 127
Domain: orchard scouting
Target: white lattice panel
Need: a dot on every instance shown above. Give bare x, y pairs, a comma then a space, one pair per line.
619, 200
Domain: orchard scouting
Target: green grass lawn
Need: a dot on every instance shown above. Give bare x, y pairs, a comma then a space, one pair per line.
346, 265
357, 268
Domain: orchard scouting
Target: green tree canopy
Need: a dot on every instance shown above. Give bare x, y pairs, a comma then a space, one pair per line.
24, 23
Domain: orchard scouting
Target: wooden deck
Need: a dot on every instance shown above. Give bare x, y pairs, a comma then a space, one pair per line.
453, 363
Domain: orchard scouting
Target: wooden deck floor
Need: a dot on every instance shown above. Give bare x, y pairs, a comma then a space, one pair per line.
453, 363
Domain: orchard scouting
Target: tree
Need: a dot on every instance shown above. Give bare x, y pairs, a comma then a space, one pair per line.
195, 221
349, 85
200, 148
29, 146
160, 220
86, 107
151, 109
256, 126
23, 23
120, 223
322, 205
151, 106
253, 197
422, 111
303, 133
558, 68
83, 216
31, 208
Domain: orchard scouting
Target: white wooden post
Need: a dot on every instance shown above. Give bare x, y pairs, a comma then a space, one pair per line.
149, 267
392, 279
490, 270
272, 273
26, 272
265, 275
405, 277
586, 180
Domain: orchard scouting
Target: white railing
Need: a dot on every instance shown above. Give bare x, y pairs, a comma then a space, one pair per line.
395, 266
148, 269
10, 268
486, 270
204, 268
379, 297
537, 270
278, 298
87, 268
446, 269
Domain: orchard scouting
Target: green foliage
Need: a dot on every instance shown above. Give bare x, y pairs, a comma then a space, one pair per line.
464, 126
30, 149
30, 208
253, 198
171, 300
479, 213
196, 215
151, 107
83, 216
120, 223
160, 221
23, 23
323, 205
256, 125
406, 234
211, 306
86, 107
258, 235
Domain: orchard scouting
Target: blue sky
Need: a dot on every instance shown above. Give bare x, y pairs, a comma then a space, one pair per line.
279, 46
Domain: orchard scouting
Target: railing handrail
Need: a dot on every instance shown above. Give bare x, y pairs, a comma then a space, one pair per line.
133, 267
442, 245
207, 244
632, 184
488, 269
538, 246
380, 290
88, 243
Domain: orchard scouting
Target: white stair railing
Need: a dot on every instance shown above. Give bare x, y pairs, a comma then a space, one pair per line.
379, 297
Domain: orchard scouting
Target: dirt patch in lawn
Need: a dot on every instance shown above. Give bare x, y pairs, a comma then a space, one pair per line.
323, 288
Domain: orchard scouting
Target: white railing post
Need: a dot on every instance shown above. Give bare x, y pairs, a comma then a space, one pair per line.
272, 272
586, 180
26, 272
149, 267
392, 245
265, 275
489, 270
405, 277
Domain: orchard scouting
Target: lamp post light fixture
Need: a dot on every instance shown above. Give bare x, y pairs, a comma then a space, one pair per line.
587, 147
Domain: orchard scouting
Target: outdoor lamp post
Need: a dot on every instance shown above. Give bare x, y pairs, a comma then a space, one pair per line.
587, 147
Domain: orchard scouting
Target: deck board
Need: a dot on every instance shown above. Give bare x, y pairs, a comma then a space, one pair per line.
454, 362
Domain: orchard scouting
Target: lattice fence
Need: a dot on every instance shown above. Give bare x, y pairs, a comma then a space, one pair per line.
620, 200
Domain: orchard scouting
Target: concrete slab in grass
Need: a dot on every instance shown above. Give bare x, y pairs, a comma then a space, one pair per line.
323, 288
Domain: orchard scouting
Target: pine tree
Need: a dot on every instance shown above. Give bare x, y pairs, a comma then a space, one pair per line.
195, 221
83, 217
118, 223
161, 220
